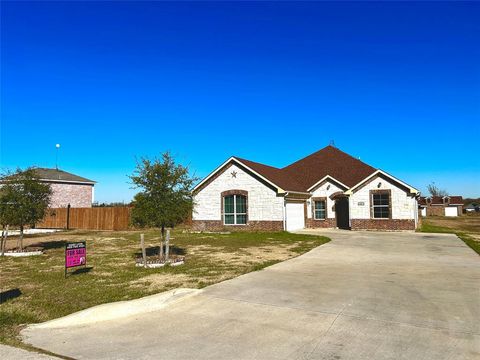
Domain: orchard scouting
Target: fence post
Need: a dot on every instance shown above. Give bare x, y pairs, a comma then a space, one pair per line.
167, 245
160, 252
68, 216
144, 255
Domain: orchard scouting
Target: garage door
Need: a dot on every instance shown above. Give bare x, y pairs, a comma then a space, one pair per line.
451, 211
295, 216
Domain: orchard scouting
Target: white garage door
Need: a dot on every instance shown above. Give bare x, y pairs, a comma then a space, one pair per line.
451, 211
295, 216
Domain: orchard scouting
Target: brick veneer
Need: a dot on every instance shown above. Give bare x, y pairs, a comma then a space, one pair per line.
384, 224
77, 195
313, 223
217, 225
327, 223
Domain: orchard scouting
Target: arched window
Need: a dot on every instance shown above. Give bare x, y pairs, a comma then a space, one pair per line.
234, 207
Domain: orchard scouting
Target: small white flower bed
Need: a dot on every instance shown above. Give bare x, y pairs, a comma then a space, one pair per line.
156, 263
16, 253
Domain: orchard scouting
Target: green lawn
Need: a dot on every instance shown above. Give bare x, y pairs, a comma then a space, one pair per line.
466, 227
210, 258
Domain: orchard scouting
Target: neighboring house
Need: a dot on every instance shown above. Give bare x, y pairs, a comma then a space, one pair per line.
440, 205
67, 188
326, 189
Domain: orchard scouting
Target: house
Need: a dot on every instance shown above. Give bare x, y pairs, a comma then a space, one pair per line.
327, 189
67, 188
440, 205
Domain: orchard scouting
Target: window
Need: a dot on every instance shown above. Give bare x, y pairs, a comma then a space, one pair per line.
381, 205
320, 210
235, 210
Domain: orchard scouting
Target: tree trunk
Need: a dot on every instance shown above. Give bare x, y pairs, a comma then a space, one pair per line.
21, 237
160, 253
3, 240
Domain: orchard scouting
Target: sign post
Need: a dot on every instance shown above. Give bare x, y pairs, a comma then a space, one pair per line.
75, 255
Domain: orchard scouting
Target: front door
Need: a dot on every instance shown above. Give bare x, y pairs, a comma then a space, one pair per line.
342, 213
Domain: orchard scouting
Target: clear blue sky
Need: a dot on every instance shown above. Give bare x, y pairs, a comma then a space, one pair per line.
397, 84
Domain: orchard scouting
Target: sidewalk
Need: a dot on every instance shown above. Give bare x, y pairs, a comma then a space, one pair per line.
13, 353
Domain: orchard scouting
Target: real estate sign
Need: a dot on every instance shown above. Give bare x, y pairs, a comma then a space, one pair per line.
75, 254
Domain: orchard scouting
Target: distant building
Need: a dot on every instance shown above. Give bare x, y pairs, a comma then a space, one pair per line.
472, 207
440, 205
67, 188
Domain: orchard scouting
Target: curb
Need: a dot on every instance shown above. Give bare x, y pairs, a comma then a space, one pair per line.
118, 310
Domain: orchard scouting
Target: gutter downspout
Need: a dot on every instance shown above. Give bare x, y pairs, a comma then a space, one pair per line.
285, 211
415, 211
350, 204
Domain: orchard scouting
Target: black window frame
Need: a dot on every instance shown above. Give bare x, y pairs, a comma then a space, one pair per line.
236, 214
379, 207
324, 201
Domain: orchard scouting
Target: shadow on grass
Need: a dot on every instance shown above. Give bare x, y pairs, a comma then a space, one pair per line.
9, 295
48, 245
79, 271
153, 250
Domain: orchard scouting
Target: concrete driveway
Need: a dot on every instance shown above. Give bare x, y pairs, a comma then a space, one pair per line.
361, 296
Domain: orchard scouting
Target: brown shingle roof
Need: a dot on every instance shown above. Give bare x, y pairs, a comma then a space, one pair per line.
304, 173
275, 175
60, 176
438, 200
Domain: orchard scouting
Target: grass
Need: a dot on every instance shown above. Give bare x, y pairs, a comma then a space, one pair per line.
466, 227
40, 291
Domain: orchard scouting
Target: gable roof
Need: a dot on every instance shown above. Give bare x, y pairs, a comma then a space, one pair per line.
438, 200
383, 174
245, 165
57, 175
275, 175
328, 161
303, 174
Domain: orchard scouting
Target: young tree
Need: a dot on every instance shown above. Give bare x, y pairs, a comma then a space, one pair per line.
435, 191
165, 199
23, 200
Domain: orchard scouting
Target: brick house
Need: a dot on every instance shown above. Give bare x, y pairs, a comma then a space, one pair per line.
67, 188
440, 205
327, 189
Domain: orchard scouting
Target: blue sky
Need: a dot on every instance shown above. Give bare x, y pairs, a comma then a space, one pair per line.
396, 84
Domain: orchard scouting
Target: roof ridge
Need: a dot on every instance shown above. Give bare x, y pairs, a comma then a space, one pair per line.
256, 162
307, 171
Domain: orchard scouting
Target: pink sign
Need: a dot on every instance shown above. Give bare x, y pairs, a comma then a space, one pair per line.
75, 254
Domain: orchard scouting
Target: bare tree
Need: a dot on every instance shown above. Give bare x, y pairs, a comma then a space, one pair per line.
435, 191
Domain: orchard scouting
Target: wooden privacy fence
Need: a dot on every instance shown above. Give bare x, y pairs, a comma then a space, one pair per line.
95, 218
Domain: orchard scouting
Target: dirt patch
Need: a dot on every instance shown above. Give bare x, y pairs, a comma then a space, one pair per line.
475, 237
254, 255
469, 223
161, 281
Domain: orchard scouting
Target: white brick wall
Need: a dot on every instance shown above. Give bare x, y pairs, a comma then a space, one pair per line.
263, 202
403, 206
322, 191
